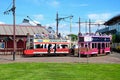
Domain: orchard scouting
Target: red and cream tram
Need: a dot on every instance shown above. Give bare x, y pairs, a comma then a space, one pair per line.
38, 46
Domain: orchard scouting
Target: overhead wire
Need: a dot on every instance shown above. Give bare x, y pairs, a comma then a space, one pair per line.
9, 6
7, 10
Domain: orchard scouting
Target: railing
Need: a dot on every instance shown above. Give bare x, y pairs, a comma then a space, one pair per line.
9, 51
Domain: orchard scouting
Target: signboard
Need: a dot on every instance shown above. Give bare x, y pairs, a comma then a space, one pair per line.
100, 39
94, 39
49, 40
2, 45
87, 38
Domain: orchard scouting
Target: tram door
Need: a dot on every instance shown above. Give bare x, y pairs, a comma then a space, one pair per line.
99, 46
103, 48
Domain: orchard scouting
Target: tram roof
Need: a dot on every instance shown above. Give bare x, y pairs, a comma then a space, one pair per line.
94, 35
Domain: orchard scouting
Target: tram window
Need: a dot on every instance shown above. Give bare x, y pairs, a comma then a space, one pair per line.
99, 45
82, 45
58, 46
45, 46
95, 45
31, 40
41, 46
103, 45
108, 45
37, 46
64, 46
89, 45
92, 45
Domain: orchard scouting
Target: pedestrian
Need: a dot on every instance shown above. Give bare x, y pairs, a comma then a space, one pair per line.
49, 46
54, 48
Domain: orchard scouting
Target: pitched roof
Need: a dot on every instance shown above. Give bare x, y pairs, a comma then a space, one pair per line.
6, 29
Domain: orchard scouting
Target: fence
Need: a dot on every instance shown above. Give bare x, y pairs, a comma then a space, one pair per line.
9, 51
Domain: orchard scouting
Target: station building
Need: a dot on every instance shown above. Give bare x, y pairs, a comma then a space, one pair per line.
112, 26
6, 36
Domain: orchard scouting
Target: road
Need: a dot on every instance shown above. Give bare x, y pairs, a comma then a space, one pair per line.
110, 58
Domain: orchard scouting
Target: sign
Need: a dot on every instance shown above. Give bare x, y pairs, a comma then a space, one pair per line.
87, 38
49, 40
2, 45
100, 39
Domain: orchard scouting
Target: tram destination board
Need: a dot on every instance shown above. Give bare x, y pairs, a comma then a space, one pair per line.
100, 39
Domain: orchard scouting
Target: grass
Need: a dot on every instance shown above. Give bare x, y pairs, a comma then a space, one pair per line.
59, 71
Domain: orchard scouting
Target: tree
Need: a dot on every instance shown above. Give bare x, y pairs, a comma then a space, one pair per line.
73, 37
116, 38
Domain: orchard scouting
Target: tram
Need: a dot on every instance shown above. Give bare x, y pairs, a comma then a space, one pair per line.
40, 46
94, 44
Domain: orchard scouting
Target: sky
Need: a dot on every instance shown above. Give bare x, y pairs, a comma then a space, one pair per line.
44, 12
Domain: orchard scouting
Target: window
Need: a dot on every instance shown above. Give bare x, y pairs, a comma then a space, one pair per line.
93, 45
82, 45
103, 45
108, 44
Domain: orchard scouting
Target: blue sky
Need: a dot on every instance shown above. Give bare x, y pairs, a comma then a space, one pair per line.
44, 12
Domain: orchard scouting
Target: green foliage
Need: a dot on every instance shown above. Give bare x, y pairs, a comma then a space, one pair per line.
59, 71
118, 48
73, 37
116, 38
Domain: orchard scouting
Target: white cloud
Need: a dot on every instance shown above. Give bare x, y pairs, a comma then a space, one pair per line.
64, 28
39, 17
78, 5
34, 23
99, 19
51, 25
2, 23
99, 22
53, 3
102, 16
63, 25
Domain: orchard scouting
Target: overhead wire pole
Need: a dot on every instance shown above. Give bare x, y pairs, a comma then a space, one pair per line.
14, 38
86, 26
89, 26
14, 30
71, 24
71, 30
57, 22
63, 18
79, 26
78, 37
